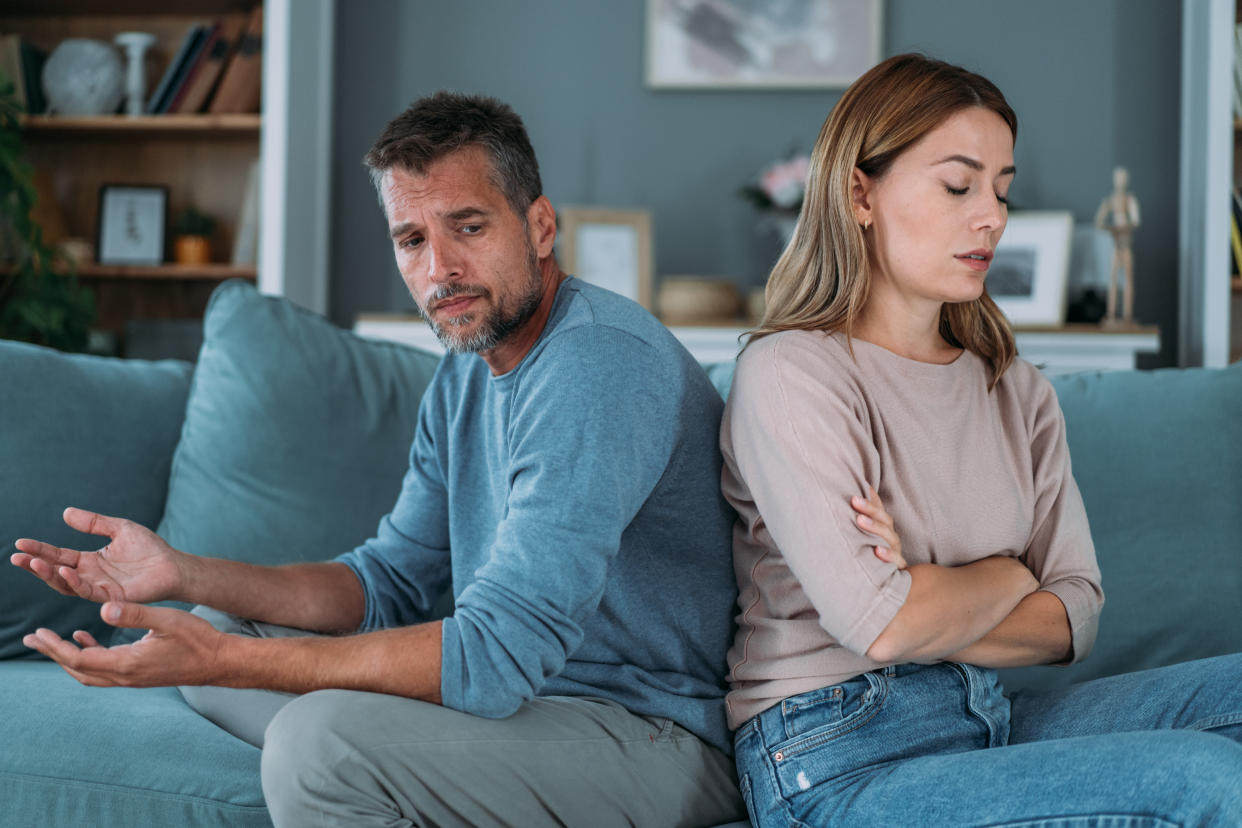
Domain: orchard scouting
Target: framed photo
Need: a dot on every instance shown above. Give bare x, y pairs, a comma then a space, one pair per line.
738, 44
132, 221
609, 248
1030, 266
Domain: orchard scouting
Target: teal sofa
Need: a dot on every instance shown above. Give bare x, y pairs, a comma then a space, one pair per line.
287, 441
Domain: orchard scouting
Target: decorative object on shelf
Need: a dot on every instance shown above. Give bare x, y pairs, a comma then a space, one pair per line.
192, 237
756, 304
1029, 270
246, 240
135, 45
83, 77
131, 224
609, 248
761, 43
778, 192
77, 250
694, 300
40, 298
1119, 215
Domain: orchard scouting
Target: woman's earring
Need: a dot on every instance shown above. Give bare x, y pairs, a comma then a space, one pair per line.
867, 224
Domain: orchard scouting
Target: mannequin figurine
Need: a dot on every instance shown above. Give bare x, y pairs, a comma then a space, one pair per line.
1119, 215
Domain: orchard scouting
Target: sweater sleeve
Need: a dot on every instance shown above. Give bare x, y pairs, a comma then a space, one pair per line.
590, 434
406, 566
800, 438
1060, 552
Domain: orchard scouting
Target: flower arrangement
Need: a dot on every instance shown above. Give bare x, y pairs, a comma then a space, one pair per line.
780, 186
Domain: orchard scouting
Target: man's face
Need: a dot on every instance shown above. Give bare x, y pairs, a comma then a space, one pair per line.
467, 258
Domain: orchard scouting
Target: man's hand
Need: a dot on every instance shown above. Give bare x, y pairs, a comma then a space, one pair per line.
136, 566
178, 649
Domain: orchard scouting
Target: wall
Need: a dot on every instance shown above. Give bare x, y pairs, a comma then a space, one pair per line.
1095, 84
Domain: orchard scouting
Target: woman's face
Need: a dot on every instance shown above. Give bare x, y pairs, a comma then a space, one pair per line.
938, 212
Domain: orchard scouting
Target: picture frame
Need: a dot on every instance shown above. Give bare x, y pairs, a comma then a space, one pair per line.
608, 247
748, 44
1030, 267
133, 221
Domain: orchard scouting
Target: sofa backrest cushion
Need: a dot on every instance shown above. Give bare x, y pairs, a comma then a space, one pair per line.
83, 431
296, 434
1158, 457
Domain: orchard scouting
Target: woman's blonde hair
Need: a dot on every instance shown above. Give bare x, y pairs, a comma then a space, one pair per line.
822, 279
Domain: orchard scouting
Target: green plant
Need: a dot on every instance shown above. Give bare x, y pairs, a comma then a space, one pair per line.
191, 222
40, 298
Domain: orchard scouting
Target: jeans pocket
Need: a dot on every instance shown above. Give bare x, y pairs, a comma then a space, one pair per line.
818, 735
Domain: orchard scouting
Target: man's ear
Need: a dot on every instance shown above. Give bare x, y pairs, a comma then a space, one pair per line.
861, 186
541, 219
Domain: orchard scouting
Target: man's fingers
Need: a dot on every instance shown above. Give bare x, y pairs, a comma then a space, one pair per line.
93, 523
46, 552
139, 616
85, 639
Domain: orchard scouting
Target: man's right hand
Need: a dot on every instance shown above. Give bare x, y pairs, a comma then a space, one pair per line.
136, 566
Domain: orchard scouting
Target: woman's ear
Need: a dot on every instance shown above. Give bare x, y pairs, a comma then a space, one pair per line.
860, 196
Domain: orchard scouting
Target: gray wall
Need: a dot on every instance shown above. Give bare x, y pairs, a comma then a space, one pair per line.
1095, 84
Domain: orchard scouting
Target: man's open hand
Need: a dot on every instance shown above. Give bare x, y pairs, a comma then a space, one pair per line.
135, 566
178, 649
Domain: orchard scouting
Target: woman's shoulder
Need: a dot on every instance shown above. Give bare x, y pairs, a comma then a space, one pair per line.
795, 363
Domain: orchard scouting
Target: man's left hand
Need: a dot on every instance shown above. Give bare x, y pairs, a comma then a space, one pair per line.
178, 649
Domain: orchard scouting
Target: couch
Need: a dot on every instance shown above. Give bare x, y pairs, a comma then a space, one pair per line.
287, 441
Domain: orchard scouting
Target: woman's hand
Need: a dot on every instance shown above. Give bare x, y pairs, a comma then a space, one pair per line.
874, 520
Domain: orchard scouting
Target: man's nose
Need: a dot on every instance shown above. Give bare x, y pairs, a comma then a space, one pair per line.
443, 263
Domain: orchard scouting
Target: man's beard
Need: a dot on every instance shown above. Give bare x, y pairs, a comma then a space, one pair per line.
500, 321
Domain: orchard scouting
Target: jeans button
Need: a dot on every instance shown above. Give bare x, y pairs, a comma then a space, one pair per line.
780, 757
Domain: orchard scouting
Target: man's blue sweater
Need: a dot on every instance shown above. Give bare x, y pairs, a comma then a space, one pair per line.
575, 504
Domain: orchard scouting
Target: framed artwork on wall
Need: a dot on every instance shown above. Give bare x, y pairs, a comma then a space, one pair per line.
738, 44
1030, 267
609, 248
132, 221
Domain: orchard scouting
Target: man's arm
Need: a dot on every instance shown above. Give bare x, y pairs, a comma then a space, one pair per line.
320, 597
183, 649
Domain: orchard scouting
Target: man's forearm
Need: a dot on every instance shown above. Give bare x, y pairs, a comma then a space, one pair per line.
949, 608
1036, 632
321, 597
403, 661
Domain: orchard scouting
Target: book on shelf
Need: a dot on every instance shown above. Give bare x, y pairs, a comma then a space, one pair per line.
240, 87
11, 66
206, 75
1235, 232
193, 65
160, 98
22, 63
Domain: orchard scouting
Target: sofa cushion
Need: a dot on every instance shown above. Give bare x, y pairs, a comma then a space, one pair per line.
296, 434
1158, 457
79, 755
81, 431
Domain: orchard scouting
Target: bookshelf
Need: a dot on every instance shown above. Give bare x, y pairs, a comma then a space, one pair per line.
203, 160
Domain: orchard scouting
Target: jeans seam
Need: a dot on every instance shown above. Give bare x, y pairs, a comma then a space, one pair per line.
1212, 722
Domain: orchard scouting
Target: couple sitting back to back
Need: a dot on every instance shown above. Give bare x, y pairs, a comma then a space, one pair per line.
893, 481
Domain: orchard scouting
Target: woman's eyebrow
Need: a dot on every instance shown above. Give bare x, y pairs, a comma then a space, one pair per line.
973, 164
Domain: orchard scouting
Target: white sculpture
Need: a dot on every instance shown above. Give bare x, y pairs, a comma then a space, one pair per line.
83, 77
135, 45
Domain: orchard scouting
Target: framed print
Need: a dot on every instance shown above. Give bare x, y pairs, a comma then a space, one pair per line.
1030, 266
609, 248
132, 220
738, 44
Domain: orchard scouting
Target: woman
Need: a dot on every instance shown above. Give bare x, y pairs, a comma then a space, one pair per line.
908, 521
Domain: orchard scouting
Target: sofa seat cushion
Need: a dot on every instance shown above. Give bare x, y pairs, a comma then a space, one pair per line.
81, 431
77, 756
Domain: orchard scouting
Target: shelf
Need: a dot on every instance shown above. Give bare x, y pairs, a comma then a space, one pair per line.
167, 272
125, 125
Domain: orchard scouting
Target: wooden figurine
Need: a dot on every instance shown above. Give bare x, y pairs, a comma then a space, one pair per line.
1119, 215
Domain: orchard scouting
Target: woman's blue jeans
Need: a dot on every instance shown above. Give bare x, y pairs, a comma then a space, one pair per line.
942, 745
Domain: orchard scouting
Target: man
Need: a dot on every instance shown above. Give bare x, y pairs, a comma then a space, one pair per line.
564, 478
